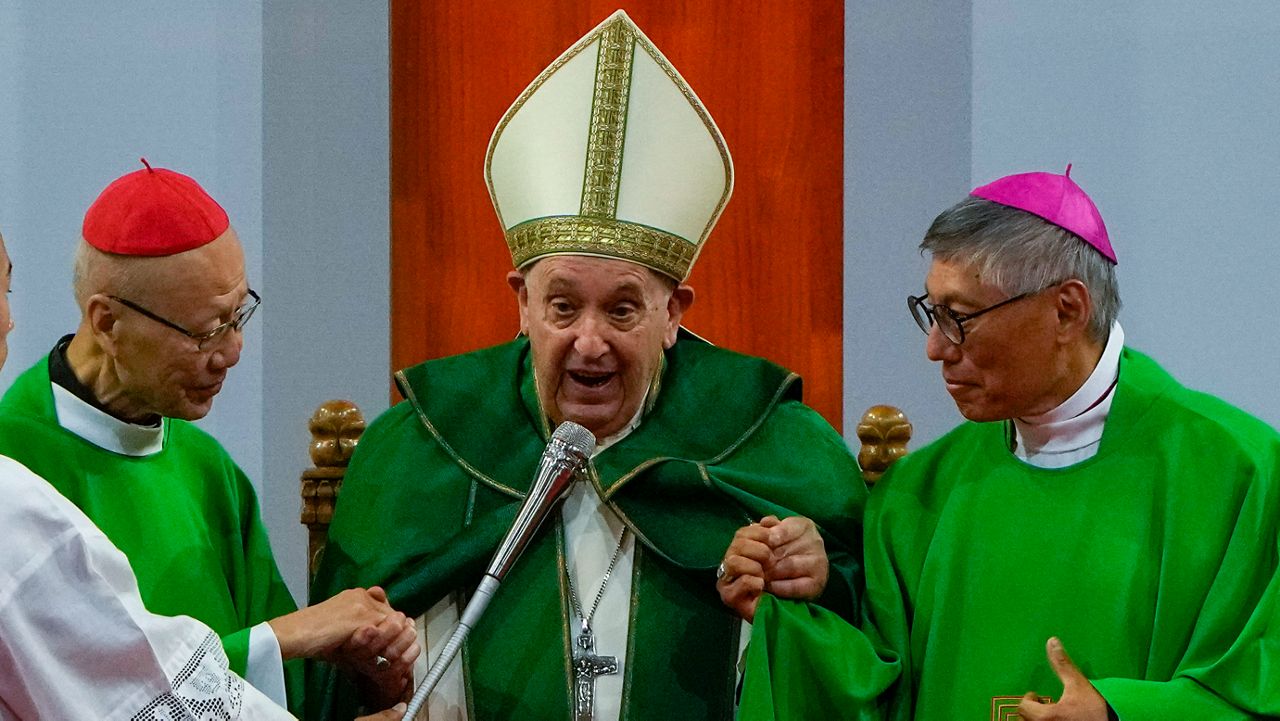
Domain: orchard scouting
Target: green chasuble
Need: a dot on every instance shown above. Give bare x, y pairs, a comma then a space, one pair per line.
1155, 562
436, 481
186, 516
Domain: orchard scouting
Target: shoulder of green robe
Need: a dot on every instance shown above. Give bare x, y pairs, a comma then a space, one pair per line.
471, 406
709, 402
29, 392
1219, 426
1146, 397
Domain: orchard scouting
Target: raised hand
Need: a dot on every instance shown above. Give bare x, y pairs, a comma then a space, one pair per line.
1080, 700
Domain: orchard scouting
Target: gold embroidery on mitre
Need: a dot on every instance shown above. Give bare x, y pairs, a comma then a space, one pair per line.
620, 43
662, 251
1005, 708
608, 122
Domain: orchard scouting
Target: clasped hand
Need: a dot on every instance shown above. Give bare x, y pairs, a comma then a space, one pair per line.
354, 629
786, 558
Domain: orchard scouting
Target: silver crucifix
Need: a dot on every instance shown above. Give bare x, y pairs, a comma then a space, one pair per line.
586, 667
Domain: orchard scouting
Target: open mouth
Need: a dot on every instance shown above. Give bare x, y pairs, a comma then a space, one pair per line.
591, 379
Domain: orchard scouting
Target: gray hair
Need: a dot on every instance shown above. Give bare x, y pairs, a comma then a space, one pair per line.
1022, 253
96, 271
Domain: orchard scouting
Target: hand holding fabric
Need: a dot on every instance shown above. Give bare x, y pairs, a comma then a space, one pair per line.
784, 557
741, 577
1080, 700
799, 567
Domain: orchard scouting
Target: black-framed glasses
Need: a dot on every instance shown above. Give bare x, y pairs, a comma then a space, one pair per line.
948, 321
242, 316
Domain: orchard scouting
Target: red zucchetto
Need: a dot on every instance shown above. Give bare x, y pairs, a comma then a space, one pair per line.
153, 212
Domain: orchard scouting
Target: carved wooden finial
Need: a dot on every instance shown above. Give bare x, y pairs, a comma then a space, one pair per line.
884, 432
336, 427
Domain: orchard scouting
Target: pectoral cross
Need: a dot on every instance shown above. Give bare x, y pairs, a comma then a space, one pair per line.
586, 667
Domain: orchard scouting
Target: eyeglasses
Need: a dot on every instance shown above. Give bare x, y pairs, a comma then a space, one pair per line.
203, 340
948, 321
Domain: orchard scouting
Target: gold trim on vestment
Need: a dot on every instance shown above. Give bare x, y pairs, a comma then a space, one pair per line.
566, 615
407, 390
665, 252
608, 127
637, 557
1005, 708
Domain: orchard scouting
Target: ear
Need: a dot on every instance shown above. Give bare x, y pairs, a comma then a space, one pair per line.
1074, 307
100, 319
516, 280
680, 301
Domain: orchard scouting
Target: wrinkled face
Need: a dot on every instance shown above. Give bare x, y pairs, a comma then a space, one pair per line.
1009, 365
161, 370
6, 320
597, 327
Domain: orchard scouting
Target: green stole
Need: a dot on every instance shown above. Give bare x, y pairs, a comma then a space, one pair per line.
663, 480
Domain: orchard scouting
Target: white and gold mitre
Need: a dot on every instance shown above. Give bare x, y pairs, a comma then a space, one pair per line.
609, 153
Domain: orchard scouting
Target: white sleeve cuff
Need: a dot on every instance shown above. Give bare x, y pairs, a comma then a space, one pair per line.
265, 667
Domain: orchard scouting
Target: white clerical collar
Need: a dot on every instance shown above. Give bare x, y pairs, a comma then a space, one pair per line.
103, 429
1072, 432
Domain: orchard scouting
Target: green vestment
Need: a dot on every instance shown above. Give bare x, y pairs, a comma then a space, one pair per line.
186, 517
1155, 562
436, 481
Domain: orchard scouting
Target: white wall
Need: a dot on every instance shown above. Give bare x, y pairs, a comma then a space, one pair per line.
326, 221
89, 87
907, 152
1168, 112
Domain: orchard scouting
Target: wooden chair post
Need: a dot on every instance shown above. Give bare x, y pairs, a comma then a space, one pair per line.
884, 432
335, 427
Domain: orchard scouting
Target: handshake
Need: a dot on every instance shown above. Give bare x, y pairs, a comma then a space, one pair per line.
361, 633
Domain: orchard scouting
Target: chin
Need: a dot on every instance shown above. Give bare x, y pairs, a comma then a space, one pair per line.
982, 414
192, 411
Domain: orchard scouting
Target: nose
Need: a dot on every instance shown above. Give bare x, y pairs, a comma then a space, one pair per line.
940, 348
226, 350
591, 341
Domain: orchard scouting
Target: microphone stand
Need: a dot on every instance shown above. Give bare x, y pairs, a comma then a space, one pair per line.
570, 446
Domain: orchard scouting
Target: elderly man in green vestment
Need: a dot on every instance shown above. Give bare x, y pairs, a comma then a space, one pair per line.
161, 284
607, 176
1092, 503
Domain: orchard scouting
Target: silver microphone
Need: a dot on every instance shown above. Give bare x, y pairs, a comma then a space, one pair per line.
570, 446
